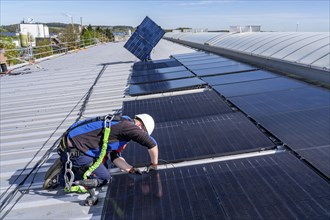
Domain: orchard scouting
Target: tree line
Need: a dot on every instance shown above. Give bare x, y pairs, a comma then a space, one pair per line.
70, 37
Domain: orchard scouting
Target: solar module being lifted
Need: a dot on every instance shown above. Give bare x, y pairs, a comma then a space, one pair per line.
144, 39
277, 186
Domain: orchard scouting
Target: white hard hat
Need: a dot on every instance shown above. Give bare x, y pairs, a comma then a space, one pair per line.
148, 122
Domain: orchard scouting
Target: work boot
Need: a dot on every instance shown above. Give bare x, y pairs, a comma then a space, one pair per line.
52, 177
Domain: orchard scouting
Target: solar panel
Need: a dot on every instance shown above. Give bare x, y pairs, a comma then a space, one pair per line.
201, 137
189, 55
201, 57
138, 46
166, 86
282, 101
211, 65
144, 39
197, 56
258, 86
157, 71
238, 77
155, 64
161, 77
150, 31
212, 59
224, 70
300, 129
318, 157
276, 186
178, 107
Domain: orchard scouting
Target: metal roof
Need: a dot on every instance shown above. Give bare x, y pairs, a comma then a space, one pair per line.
38, 103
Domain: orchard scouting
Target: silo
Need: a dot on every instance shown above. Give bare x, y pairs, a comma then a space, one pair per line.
23, 36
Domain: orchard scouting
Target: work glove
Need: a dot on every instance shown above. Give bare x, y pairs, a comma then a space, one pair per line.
76, 189
134, 170
151, 167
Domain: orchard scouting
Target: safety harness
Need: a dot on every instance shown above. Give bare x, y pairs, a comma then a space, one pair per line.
68, 174
96, 164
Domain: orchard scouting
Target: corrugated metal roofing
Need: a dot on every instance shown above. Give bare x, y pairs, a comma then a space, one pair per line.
38, 103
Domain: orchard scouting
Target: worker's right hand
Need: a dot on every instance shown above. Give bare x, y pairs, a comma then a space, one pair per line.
135, 170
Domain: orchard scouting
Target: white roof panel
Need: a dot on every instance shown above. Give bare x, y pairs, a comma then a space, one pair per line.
292, 47
304, 47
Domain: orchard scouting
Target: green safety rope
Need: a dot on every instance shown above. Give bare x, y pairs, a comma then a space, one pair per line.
106, 135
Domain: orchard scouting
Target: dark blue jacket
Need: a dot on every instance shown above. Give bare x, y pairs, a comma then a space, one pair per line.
87, 135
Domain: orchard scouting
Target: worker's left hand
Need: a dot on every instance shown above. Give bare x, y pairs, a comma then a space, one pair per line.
151, 167
135, 170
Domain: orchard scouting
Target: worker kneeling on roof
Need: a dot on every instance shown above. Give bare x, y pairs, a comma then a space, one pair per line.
81, 146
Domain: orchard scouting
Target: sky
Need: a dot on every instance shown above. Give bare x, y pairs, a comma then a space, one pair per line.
279, 15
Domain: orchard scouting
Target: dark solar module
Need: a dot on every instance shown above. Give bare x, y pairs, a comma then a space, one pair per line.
282, 101
258, 86
144, 39
161, 77
166, 86
276, 186
189, 55
224, 70
201, 137
198, 59
178, 107
156, 64
319, 157
158, 71
205, 61
138, 46
238, 77
150, 31
211, 65
300, 129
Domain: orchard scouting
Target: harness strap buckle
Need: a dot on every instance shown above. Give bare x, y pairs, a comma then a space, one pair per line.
107, 120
